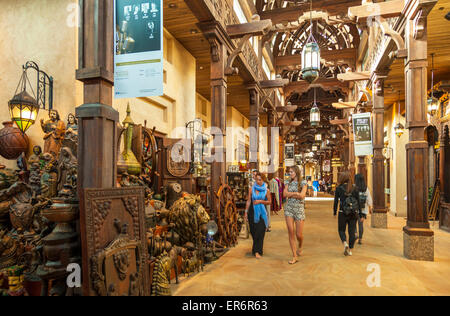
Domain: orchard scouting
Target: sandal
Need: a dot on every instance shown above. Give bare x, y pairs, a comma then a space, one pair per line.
294, 261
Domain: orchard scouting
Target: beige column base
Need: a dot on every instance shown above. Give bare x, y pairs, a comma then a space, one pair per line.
418, 244
380, 220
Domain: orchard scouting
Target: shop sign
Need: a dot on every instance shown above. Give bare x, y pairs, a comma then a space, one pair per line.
138, 56
289, 155
362, 129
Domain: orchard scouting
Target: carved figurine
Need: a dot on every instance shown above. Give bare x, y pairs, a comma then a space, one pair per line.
72, 127
35, 178
161, 276
36, 157
49, 181
66, 162
54, 130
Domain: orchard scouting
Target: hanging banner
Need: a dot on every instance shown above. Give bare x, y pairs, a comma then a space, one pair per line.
138, 57
362, 129
289, 155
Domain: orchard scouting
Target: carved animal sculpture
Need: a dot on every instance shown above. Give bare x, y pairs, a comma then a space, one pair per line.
191, 264
161, 276
174, 253
188, 216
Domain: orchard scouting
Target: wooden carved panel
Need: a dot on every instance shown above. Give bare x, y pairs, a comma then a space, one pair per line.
175, 172
444, 217
115, 257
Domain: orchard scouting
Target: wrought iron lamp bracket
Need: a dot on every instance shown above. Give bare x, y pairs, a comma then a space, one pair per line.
43, 81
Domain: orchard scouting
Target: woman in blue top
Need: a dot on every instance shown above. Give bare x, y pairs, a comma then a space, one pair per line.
256, 214
294, 211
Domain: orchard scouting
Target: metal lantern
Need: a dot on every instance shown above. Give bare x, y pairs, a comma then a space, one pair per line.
314, 148
433, 105
399, 129
23, 108
311, 60
315, 115
318, 137
311, 57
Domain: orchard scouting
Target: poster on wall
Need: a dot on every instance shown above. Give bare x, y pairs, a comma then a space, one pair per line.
138, 56
289, 155
362, 129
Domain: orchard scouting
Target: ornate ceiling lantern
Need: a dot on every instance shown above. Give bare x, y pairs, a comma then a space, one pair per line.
318, 137
315, 148
24, 108
433, 103
315, 112
311, 57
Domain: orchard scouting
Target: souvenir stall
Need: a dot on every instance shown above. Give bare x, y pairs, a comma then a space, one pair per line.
133, 238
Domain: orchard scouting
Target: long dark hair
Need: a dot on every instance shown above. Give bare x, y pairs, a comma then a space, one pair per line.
298, 173
360, 183
344, 180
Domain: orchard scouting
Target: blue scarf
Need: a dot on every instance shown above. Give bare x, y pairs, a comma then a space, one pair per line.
259, 193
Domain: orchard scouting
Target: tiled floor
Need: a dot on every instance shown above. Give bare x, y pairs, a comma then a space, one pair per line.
323, 269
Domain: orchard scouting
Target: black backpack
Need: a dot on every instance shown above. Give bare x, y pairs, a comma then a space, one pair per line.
351, 205
362, 199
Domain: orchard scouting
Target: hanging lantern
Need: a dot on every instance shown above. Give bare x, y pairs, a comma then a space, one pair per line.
318, 137
314, 148
433, 103
23, 108
399, 129
310, 57
315, 115
433, 106
310, 60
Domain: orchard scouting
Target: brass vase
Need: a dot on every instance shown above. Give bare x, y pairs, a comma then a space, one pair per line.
127, 162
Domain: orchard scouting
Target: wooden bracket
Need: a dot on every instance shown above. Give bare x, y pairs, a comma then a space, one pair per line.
401, 52
229, 69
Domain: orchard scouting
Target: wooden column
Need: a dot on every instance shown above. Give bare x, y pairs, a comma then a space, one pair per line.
379, 216
418, 237
281, 155
254, 93
444, 170
219, 55
362, 168
352, 158
97, 120
270, 148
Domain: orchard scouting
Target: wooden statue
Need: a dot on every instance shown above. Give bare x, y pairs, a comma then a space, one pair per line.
66, 162
54, 130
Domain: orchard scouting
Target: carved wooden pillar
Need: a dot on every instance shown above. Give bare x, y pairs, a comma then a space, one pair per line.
270, 146
362, 168
97, 120
379, 216
219, 57
418, 237
352, 158
97, 150
254, 93
444, 169
281, 154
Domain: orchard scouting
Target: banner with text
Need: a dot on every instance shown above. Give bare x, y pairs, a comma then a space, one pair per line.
289, 155
138, 57
362, 129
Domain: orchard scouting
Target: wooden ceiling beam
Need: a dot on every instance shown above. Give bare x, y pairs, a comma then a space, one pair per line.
273, 84
389, 9
292, 14
326, 84
255, 28
347, 54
